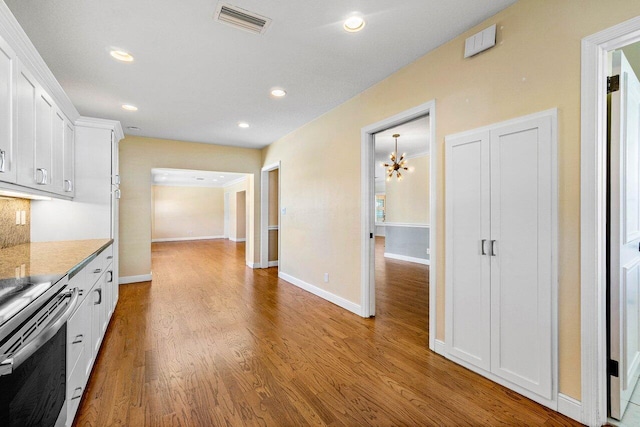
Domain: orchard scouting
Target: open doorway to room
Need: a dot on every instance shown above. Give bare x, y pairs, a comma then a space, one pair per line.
623, 234
198, 205
404, 214
270, 216
402, 219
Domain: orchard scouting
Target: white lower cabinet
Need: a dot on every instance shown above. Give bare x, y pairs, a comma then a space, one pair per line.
501, 273
87, 326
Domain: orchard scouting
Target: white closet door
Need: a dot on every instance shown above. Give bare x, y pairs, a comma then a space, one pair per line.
521, 254
467, 325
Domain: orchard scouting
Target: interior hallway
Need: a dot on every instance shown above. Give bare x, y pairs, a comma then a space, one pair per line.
213, 342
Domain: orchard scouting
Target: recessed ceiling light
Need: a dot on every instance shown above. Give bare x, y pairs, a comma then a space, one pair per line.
129, 107
121, 55
278, 93
221, 176
354, 23
243, 125
215, 180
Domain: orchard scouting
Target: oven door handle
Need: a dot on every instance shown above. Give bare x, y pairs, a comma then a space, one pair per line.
9, 365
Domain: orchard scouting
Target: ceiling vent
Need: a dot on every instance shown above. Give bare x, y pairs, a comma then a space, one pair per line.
242, 19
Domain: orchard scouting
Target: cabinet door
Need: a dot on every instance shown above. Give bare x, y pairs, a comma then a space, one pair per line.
522, 171
7, 113
69, 167
44, 140
467, 307
58, 126
26, 94
97, 318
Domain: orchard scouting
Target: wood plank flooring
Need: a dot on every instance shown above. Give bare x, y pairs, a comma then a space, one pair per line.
214, 343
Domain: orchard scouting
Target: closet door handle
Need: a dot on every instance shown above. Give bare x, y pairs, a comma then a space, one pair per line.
493, 248
483, 243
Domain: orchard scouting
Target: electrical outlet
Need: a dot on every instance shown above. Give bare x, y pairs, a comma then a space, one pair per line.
326, 277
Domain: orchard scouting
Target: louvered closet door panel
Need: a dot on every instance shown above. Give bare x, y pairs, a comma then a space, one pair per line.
521, 265
467, 310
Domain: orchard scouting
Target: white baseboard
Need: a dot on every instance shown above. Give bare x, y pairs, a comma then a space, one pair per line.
570, 407
339, 301
135, 279
180, 239
233, 239
273, 263
440, 347
407, 258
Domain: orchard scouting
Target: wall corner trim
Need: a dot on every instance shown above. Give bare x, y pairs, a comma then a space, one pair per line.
135, 279
440, 348
337, 300
570, 407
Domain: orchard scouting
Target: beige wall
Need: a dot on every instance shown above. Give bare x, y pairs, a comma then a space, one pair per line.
407, 201
187, 212
138, 155
534, 66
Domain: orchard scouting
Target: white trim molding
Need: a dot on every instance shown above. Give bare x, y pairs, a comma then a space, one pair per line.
367, 218
407, 258
135, 279
235, 181
238, 240
326, 295
570, 407
440, 348
253, 264
273, 228
95, 123
185, 239
273, 263
593, 175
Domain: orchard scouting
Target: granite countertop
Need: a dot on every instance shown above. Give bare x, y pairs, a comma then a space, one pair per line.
48, 258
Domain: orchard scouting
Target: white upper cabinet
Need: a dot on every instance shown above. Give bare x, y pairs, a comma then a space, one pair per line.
57, 153
7, 113
44, 141
26, 94
68, 167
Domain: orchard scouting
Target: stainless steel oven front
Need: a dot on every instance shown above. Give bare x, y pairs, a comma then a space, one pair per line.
33, 360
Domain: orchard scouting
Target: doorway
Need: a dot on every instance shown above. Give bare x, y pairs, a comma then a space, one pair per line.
270, 220
368, 293
595, 246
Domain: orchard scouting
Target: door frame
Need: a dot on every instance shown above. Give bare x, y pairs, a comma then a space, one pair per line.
593, 209
264, 213
368, 288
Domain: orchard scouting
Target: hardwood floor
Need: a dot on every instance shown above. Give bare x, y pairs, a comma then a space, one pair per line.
214, 343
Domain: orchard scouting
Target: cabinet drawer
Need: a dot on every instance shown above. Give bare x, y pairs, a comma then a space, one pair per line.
94, 270
75, 389
107, 254
78, 334
79, 280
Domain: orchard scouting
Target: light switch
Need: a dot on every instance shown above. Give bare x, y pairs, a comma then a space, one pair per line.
284, 211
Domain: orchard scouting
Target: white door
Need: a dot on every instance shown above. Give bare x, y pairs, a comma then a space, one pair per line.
521, 251
7, 113
467, 297
624, 235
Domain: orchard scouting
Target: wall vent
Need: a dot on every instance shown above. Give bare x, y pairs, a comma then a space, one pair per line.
242, 19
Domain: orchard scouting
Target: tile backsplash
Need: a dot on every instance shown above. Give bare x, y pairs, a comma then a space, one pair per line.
12, 234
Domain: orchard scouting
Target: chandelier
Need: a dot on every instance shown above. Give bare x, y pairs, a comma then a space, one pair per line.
396, 164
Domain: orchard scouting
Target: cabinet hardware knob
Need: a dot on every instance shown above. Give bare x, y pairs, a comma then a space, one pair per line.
77, 339
78, 395
43, 178
493, 248
483, 243
97, 270
2, 160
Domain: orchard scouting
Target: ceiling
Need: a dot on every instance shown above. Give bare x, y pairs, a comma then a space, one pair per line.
194, 178
194, 79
